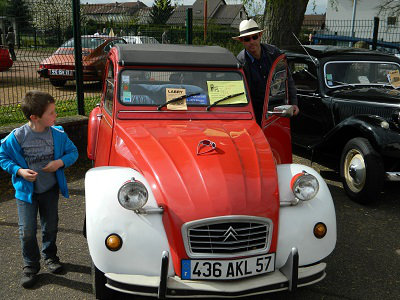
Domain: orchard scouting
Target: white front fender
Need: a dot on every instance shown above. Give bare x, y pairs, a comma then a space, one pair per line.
144, 238
296, 223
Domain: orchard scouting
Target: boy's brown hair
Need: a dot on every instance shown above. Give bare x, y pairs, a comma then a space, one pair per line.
35, 103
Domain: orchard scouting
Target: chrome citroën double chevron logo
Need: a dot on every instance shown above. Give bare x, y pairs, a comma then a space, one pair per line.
230, 233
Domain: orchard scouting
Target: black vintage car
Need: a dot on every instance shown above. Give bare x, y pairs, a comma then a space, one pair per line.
350, 108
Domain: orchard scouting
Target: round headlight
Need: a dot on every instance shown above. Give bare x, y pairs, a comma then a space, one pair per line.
305, 186
385, 125
133, 195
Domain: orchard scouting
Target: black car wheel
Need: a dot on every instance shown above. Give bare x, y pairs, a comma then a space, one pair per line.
99, 281
58, 82
362, 171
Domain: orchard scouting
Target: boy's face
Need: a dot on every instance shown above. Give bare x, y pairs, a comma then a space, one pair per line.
48, 118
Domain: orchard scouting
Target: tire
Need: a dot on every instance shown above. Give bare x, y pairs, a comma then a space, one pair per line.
58, 82
100, 291
362, 171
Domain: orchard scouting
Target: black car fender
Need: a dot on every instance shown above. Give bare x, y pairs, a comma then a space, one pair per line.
370, 127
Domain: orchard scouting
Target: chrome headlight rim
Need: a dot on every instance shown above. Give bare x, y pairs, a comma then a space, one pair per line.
133, 195
305, 186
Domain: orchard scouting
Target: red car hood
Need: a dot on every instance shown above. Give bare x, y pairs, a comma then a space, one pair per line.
66, 56
237, 178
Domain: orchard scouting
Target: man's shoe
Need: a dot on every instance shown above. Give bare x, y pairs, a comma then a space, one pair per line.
29, 277
54, 265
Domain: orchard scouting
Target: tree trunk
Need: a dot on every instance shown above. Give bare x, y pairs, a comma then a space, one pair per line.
282, 18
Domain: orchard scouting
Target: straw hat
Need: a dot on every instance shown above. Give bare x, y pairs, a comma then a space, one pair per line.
248, 27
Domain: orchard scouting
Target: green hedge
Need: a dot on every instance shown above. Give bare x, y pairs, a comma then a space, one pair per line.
12, 114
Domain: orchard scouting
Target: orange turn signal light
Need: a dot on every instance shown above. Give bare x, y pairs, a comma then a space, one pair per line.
320, 230
113, 242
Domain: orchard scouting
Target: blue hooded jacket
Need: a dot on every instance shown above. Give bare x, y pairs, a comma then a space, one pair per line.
12, 159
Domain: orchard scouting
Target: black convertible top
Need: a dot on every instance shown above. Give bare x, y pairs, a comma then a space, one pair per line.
175, 55
321, 51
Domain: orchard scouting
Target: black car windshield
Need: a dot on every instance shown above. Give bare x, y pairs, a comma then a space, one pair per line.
156, 87
353, 73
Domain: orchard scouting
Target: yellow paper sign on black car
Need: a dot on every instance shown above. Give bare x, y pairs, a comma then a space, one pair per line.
394, 78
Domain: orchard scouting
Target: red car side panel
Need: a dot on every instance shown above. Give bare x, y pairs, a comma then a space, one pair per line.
93, 129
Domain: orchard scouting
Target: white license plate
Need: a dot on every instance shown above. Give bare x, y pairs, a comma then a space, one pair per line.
55, 72
227, 269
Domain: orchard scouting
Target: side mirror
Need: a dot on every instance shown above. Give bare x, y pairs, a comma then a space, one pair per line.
284, 111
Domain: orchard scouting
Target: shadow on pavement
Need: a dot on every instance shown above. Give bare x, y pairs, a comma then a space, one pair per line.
47, 278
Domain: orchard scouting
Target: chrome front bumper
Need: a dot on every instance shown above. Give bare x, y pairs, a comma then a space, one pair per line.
393, 176
287, 278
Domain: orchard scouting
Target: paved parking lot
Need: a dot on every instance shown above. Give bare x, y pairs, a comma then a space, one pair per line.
364, 265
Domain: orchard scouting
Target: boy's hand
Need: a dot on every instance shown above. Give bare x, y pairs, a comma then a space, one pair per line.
27, 174
53, 166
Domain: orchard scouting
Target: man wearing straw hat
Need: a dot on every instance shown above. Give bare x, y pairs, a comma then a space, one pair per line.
257, 60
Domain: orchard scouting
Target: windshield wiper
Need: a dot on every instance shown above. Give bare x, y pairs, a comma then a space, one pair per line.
176, 99
223, 99
384, 85
342, 83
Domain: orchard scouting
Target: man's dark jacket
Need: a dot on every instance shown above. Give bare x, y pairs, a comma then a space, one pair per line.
257, 94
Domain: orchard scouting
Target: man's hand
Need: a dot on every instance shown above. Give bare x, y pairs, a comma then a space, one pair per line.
27, 174
296, 110
53, 166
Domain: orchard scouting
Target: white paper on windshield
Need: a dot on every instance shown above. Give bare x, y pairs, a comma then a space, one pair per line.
363, 79
125, 78
127, 97
174, 93
394, 78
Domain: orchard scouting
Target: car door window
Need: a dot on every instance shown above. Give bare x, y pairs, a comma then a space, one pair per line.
304, 76
278, 95
109, 91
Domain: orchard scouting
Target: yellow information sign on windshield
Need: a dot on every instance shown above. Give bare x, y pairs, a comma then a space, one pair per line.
394, 78
221, 89
173, 94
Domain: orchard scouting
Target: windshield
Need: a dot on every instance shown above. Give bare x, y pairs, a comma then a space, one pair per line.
87, 42
201, 88
343, 73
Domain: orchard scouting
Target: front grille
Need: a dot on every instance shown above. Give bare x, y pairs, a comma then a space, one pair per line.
346, 109
227, 236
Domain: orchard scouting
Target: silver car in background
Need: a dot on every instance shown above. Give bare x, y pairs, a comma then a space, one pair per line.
140, 39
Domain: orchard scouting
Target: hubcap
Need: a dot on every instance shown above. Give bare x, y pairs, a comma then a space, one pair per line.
354, 170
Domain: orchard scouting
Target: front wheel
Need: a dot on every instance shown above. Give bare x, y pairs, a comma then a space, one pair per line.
99, 281
362, 171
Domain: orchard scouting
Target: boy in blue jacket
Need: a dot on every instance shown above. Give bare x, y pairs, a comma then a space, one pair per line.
36, 154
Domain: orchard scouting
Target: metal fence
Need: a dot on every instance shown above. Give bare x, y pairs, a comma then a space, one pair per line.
40, 27
376, 34
44, 56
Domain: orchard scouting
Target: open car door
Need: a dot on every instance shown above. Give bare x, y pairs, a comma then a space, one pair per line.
106, 117
277, 128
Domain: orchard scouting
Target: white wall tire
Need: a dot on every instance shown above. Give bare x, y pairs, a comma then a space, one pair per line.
362, 171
